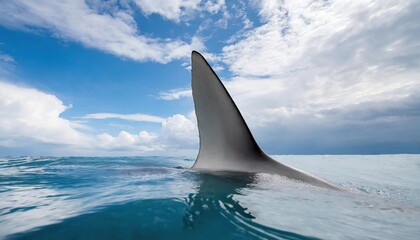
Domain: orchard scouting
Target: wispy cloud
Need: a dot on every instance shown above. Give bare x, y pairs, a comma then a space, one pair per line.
172, 10
6, 58
175, 94
328, 65
114, 31
7, 64
176, 10
131, 117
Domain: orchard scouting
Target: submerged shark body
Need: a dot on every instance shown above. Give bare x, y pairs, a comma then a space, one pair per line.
226, 143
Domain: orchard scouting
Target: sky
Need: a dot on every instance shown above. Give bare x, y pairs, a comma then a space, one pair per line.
110, 78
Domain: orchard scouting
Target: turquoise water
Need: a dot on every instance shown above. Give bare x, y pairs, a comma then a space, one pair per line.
161, 198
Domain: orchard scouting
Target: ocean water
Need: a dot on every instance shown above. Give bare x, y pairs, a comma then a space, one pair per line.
161, 198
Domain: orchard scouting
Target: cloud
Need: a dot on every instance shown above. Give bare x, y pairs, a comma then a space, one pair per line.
132, 117
175, 10
178, 134
6, 58
113, 30
175, 94
214, 6
180, 131
171, 10
341, 67
30, 121
306, 34
7, 64
124, 141
29, 114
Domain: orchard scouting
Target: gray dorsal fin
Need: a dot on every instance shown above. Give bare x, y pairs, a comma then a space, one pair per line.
225, 139
226, 144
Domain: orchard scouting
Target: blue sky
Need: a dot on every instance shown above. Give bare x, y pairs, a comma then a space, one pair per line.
113, 77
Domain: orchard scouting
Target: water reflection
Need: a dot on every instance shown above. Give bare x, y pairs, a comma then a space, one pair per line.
215, 202
215, 197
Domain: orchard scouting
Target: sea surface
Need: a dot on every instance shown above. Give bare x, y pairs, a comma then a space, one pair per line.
161, 198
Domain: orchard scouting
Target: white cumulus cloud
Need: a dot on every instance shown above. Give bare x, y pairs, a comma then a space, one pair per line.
124, 141
29, 114
30, 121
180, 131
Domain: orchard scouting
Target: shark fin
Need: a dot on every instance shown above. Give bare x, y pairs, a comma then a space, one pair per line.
226, 143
